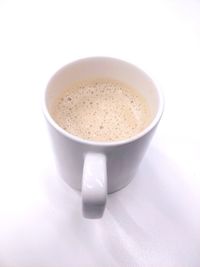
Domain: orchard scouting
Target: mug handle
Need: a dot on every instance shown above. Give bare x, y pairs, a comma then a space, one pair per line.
94, 185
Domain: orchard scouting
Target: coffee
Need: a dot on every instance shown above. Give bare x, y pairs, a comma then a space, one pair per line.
102, 110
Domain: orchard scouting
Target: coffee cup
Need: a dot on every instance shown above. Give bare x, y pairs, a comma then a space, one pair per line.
92, 166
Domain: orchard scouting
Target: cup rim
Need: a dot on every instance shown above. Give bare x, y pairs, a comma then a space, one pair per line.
80, 140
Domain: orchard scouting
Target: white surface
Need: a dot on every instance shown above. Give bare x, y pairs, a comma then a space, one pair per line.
155, 221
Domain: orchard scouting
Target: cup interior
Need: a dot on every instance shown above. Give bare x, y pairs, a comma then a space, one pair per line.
116, 69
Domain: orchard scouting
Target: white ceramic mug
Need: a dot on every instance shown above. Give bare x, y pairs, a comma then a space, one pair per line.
98, 168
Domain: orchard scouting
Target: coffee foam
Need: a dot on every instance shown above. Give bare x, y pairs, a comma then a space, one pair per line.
101, 110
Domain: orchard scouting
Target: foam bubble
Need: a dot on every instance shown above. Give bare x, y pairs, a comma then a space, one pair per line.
102, 110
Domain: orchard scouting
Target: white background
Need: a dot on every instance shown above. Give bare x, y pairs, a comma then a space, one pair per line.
155, 221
